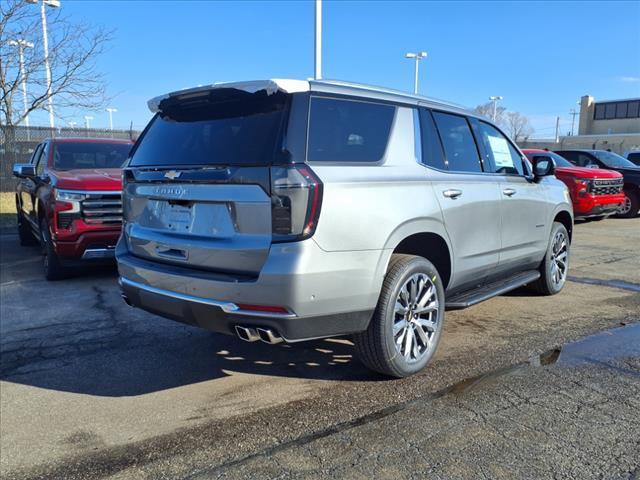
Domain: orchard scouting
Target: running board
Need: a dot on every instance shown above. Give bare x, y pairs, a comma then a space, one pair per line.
485, 292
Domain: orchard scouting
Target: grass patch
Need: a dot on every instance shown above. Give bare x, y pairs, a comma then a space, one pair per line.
7, 209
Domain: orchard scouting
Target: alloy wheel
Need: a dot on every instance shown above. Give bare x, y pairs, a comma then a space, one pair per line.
415, 317
625, 206
559, 259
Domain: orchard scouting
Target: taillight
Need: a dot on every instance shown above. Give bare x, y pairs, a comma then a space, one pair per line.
296, 197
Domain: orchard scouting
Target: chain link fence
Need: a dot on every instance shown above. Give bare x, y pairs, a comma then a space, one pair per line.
17, 144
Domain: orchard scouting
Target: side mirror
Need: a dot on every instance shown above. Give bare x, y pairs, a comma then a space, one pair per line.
24, 170
543, 167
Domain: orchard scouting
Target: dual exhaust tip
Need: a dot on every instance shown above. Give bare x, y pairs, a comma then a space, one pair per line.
249, 334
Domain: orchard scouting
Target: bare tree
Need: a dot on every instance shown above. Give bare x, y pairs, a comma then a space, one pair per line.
74, 47
486, 109
518, 126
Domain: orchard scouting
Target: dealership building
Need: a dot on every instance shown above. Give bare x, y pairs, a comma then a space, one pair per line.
606, 125
609, 117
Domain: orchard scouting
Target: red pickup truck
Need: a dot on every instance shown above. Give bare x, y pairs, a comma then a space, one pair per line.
596, 192
68, 199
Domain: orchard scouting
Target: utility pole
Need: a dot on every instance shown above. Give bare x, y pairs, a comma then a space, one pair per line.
22, 44
416, 57
573, 114
45, 47
495, 101
318, 43
557, 129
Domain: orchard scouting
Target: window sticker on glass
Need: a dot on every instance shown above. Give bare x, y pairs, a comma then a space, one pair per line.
501, 153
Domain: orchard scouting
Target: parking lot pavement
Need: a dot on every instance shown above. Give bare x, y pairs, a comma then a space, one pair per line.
91, 388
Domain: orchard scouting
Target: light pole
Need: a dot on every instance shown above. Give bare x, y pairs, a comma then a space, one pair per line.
22, 44
45, 47
495, 101
317, 73
87, 119
417, 57
72, 124
111, 112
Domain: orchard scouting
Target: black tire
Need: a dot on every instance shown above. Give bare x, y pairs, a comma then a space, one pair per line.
634, 200
25, 234
53, 268
547, 284
376, 346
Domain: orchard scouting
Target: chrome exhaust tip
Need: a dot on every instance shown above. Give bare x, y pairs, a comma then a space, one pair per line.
247, 334
126, 299
269, 336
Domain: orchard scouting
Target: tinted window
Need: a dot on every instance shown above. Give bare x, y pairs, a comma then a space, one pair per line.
432, 154
634, 157
613, 160
348, 131
226, 129
42, 159
599, 112
621, 110
610, 111
36, 154
70, 156
585, 160
499, 153
459, 145
632, 109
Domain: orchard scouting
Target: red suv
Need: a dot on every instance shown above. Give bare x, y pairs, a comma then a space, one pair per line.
596, 192
69, 199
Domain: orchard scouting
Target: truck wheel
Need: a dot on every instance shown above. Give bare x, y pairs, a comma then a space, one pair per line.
405, 329
555, 265
630, 206
53, 269
25, 234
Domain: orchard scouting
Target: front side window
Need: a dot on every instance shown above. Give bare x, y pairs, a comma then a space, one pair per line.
499, 154
348, 131
459, 145
82, 155
42, 160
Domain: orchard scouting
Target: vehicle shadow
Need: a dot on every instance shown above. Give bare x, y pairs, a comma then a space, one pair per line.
119, 366
77, 335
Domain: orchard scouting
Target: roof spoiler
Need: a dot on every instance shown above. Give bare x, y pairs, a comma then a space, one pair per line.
253, 86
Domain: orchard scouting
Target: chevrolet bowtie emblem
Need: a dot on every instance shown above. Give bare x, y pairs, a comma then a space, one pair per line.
172, 174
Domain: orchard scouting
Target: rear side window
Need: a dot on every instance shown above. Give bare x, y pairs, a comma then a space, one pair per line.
498, 151
225, 128
348, 131
432, 154
459, 145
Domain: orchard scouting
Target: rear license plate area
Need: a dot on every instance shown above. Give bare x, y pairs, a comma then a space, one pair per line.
179, 217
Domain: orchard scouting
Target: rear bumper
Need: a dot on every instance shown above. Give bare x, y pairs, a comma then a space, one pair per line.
98, 245
325, 293
595, 205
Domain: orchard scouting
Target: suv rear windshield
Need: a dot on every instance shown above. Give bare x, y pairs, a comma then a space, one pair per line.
71, 156
236, 128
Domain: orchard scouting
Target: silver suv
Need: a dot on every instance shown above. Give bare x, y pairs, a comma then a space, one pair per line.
287, 210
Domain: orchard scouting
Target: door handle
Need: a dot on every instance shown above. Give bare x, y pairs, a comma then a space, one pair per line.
509, 192
452, 193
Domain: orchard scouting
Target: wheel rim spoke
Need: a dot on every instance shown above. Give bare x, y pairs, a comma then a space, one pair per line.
415, 317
